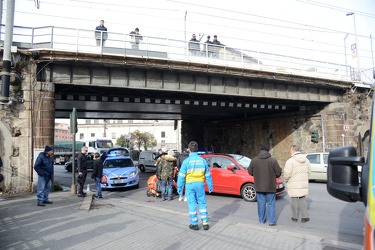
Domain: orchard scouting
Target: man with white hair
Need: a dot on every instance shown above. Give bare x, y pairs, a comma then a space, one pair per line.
296, 174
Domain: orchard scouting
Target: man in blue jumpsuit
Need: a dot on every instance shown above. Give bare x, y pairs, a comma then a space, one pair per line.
195, 170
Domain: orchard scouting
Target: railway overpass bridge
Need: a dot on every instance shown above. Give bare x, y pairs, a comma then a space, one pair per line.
233, 103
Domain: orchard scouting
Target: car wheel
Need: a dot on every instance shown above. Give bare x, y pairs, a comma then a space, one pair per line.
69, 169
142, 168
248, 192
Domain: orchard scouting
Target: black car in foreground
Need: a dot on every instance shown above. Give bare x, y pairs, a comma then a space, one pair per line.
90, 161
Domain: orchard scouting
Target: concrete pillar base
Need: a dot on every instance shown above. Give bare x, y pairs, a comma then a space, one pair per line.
73, 189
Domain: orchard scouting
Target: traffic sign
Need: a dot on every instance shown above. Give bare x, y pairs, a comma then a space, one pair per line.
346, 127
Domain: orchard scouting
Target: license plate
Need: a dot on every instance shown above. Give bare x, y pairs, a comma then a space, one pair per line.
118, 181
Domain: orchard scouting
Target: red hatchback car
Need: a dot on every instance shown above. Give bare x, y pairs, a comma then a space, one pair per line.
230, 176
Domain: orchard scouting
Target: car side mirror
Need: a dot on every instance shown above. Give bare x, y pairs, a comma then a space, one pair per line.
231, 168
342, 174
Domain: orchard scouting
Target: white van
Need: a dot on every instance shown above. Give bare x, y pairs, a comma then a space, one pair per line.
147, 159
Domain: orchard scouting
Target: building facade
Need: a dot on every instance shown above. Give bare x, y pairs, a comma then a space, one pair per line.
166, 135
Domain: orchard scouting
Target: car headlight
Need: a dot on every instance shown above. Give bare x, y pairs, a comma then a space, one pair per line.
132, 174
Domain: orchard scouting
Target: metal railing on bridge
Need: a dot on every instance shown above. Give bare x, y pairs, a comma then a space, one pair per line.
120, 44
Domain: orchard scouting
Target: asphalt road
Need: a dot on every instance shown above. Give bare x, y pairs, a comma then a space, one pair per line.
64, 178
328, 215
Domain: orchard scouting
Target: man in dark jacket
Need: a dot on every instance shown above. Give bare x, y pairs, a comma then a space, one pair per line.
97, 173
82, 171
180, 160
216, 48
44, 167
101, 34
1, 175
265, 170
194, 46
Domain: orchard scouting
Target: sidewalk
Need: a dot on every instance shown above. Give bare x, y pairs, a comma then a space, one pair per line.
119, 222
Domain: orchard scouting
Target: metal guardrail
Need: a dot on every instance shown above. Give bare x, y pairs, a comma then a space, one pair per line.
83, 41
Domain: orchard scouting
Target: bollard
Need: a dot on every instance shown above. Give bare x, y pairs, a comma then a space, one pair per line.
88, 188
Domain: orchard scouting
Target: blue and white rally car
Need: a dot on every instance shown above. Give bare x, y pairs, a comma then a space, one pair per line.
121, 172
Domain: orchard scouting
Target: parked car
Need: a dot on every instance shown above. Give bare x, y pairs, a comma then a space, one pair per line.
118, 151
90, 161
230, 176
121, 172
147, 159
318, 163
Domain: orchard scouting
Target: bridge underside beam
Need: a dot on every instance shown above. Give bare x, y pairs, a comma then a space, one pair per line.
141, 87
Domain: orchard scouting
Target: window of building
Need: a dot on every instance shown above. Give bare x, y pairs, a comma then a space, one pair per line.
96, 121
163, 142
92, 134
162, 134
81, 136
88, 121
114, 135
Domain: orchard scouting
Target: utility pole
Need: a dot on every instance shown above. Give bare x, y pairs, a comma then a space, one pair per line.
356, 45
105, 129
7, 60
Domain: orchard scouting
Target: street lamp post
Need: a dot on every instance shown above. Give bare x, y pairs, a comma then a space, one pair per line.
346, 60
356, 44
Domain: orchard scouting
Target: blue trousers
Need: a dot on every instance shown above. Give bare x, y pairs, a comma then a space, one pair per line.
98, 186
264, 198
170, 189
195, 194
43, 189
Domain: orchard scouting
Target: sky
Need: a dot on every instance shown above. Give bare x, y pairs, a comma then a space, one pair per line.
313, 29
275, 26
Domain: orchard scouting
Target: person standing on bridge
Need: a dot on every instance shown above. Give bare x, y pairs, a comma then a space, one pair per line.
101, 34
195, 171
194, 46
44, 167
216, 47
207, 50
296, 174
265, 170
135, 38
82, 171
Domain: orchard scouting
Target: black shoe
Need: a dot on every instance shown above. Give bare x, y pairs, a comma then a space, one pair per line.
294, 219
40, 204
47, 202
81, 195
169, 199
206, 226
194, 227
303, 220
273, 225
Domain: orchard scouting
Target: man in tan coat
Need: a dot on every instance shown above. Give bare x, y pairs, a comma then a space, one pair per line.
296, 174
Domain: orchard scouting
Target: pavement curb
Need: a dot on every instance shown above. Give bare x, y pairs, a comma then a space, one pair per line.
87, 202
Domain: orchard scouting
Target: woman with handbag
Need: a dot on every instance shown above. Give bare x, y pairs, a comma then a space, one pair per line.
97, 173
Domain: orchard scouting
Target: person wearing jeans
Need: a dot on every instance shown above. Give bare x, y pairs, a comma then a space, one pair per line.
44, 167
165, 173
265, 170
97, 173
264, 198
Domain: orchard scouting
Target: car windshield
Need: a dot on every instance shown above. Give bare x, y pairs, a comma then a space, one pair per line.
118, 151
105, 144
242, 160
118, 163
